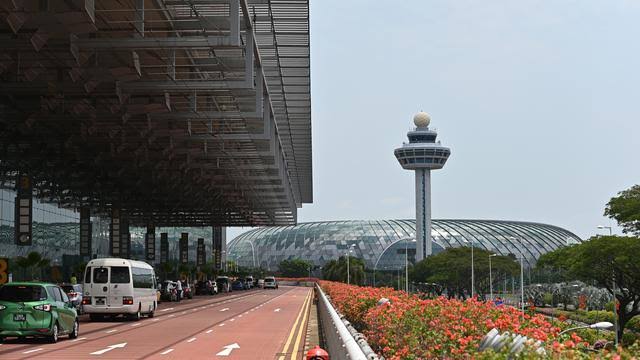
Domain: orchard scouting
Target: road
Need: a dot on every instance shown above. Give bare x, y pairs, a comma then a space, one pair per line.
255, 324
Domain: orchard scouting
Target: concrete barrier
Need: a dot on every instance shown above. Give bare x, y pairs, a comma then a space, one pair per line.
342, 340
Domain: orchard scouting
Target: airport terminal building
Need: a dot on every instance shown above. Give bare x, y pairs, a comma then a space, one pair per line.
382, 243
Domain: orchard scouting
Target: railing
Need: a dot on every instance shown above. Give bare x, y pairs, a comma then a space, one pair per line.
342, 341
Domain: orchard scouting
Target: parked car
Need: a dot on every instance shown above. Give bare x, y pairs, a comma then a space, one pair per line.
270, 283
224, 284
36, 309
206, 287
238, 285
249, 281
261, 283
74, 292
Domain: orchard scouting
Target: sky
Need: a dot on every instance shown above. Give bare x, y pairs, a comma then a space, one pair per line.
539, 102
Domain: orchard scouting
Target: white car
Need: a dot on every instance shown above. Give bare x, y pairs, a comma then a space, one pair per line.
114, 286
270, 283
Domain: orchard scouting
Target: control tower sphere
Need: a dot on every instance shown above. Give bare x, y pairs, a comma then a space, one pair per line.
421, 119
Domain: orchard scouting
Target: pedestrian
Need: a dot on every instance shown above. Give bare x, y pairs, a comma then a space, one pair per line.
73, 279
179, 285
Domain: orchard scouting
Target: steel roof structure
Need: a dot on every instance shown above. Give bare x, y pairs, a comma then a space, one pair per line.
177, 112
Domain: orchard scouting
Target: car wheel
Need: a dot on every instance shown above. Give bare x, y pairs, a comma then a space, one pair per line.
136, 316
74, 333
153, 312
53, 338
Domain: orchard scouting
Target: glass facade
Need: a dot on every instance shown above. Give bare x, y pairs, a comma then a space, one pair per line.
56, 233
382, 243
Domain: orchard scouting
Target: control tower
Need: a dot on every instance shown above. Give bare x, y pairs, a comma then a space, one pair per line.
422, 154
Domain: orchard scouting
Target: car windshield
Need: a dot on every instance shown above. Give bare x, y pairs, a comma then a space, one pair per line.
22, 293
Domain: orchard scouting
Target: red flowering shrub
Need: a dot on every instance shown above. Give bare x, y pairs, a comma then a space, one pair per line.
412, 328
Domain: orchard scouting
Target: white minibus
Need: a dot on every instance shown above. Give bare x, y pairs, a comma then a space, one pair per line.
119, 287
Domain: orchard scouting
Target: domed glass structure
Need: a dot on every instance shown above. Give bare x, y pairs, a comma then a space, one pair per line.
382, 243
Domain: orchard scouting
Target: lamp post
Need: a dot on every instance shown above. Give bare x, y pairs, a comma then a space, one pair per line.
406, 263
473, 277
521, 273
615, 301
349, 249
491, 277
598, 325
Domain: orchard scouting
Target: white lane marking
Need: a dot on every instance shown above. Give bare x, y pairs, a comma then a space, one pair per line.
111, 331
276, 310
202, 307
228, 349
209, 331
225, 309
191, 340
166, 352
171, 315
184, 312
32, 351
232, 320
78, 339
240, 315
221, 324
109, 348
194, 310
154, 320
136, 324
163, 310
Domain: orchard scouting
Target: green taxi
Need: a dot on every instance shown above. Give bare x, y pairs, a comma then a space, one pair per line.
36, 309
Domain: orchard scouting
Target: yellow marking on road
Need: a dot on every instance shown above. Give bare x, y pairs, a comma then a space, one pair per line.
294, 353
293, 330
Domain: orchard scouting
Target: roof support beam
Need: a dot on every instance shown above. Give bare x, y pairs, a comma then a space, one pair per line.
172, 42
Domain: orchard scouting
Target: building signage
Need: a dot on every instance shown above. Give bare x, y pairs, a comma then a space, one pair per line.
184, 248
85, 231
164, 248
216, 252
150, 243
23, 211
115, 236
201, 257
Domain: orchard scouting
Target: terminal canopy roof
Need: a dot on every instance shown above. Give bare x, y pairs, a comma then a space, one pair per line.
176, 112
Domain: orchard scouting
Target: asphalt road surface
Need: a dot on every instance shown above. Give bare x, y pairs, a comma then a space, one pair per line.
254, 324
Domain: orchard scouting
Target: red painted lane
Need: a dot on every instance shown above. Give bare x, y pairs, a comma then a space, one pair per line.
142, 337
88, 328
258, 333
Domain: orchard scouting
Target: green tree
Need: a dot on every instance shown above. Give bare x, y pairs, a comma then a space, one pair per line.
32, 262
451, 269
336, 270
294, 268
625, 209
609, 261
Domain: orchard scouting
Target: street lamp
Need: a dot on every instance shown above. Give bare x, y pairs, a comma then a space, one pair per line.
406, 263
615, 308
521, 273
598, 325
473, 277
491, 277
350, 248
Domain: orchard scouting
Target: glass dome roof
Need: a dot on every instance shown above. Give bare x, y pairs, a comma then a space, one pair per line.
381, 243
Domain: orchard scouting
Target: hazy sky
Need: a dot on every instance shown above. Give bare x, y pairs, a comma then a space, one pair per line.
539, 102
